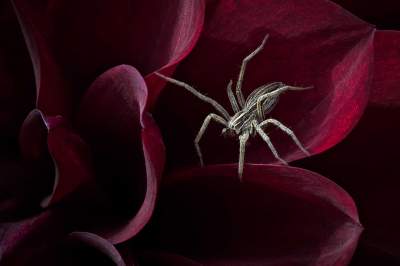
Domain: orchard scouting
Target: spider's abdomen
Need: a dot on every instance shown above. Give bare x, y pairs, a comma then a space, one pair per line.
269, 103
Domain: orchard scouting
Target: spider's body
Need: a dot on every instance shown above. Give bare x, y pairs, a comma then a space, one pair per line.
249, 115
243, 119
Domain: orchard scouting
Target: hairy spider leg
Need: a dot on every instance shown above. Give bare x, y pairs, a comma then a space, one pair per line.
239, 82
286, 130
242, 149
199, 95
203, 128
232, 100
268, 141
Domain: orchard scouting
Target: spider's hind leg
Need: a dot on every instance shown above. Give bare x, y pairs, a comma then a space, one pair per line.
287, 131
203, 128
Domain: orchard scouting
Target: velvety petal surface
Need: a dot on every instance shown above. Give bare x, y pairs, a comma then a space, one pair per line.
276, 216
72, 42
312, 43
366, 165
60, 153
386, 85
128, 152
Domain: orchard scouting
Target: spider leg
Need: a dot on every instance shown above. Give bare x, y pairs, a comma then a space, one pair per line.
286, 130
203, 128
239, 82
232, 100
268, 141
242, 149
199, 95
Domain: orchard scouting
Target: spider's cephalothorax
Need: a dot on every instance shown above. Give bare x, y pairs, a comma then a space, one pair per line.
249, 115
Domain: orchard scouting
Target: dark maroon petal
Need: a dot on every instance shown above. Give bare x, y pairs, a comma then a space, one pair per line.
43, 136
77, 241
42, 240
366, 165
385, 88
127, 147
385, 14
71, 42
312, 43
276, 216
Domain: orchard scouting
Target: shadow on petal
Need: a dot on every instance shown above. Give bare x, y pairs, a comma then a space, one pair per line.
276, 216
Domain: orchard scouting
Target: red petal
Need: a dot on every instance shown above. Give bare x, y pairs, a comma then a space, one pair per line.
311, 43
127, 146
385, 88
71, 42
41, 136
276, 216
366, 165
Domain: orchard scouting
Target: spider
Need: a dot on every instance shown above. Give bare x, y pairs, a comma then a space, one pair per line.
249, 115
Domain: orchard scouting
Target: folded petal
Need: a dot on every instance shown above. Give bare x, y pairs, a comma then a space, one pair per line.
366, 165
312, 43
43, 240
42, 137
276, 216
386, 83
71, 42
127, 147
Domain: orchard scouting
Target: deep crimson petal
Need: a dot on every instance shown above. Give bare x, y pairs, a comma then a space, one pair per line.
310, 43
366, 165
127, 147
276, 216
41, 136
71, 42
385, 88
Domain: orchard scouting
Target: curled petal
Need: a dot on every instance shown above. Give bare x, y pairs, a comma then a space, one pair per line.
42, 137
127, 147
312, 43
276, 216
71, 42
386, 83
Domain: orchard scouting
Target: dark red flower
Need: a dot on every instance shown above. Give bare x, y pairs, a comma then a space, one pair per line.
108, 153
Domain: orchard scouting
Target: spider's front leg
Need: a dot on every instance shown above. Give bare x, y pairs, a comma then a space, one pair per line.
203, 128
242, 149
286, 130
